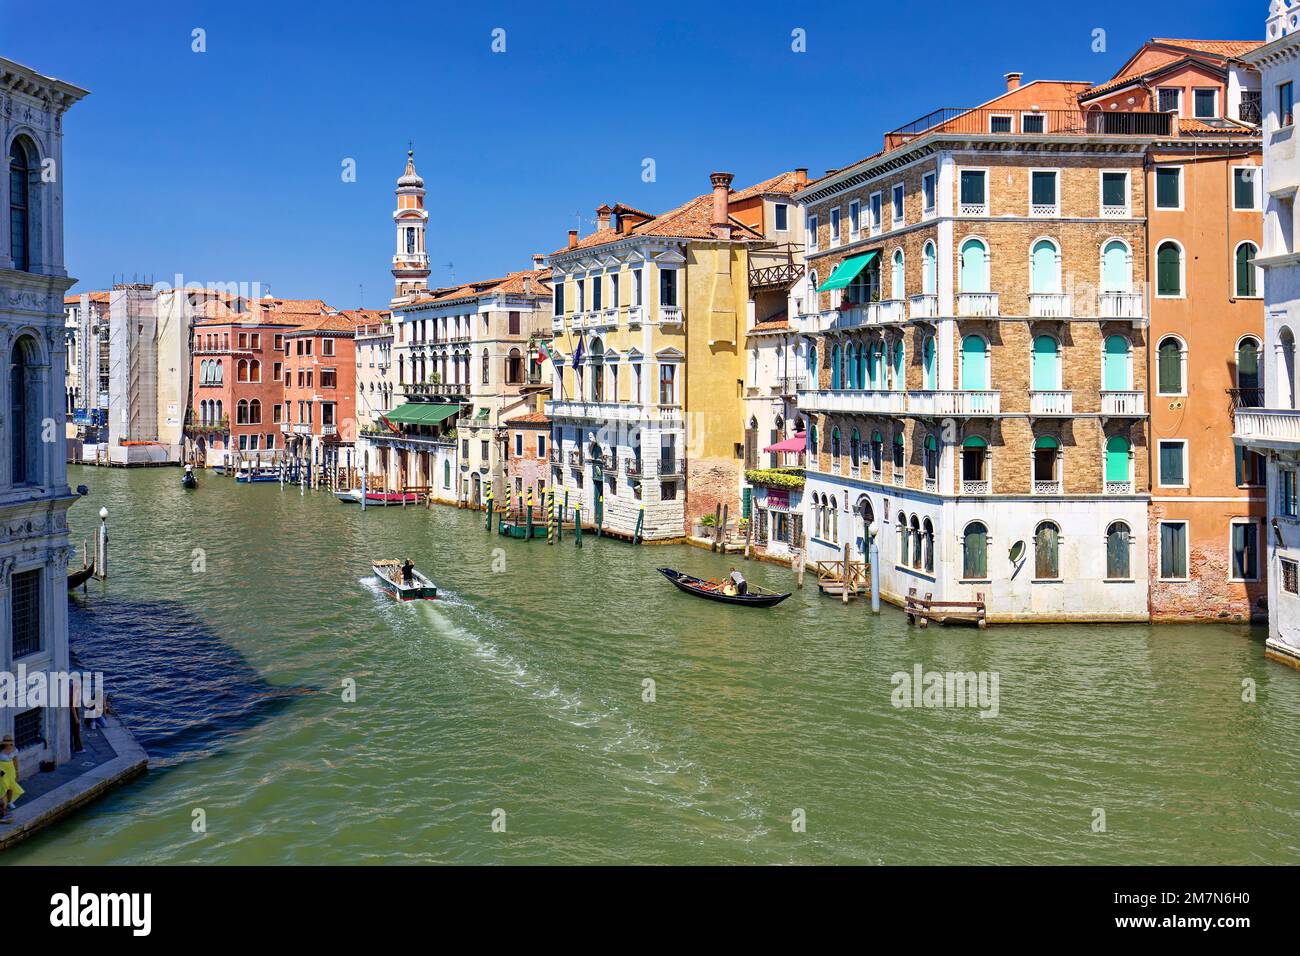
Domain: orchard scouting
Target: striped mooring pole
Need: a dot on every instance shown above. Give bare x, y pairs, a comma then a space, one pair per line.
528, 530
550, 516
489, 509
510, 496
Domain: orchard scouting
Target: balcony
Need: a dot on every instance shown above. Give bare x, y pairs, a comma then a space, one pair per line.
670, 315
557, 323
982, 122
978, 305
1050, 305
575, 458
606, 319
635, 316
887, 310
924, 306
1246, 397
975, 486
898, 476
1266, 427
958, 402
973, 209
613, 411
1047, 486
1125, 404
1043, 402
556, 456
671, 467
853, 401
1119, 487
1120, 305
634, 468
329, 430
788, 385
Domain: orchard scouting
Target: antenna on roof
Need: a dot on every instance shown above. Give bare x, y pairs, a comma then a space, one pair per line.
451, 268
361, 295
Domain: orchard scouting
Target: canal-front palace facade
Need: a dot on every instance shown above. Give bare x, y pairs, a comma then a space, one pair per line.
34, 493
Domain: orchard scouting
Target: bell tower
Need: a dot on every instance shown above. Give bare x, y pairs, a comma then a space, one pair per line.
410, 258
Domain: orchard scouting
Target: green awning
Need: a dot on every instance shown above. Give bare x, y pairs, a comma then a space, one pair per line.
847, 271
421, 413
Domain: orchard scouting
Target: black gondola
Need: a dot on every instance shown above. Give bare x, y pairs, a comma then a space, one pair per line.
78, 578
713, 590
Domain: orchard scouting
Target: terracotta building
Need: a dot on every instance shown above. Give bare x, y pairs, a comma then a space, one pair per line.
320, 418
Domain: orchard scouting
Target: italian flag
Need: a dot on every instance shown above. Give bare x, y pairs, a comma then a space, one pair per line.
543, 353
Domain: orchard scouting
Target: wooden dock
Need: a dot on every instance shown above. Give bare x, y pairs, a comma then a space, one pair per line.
831, 578
923, 610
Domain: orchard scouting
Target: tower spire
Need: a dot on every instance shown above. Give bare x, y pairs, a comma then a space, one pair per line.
411, 257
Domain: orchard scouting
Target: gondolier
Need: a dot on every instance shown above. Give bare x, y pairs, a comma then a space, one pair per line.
738, 583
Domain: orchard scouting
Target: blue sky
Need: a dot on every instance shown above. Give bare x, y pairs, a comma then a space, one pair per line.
225, 165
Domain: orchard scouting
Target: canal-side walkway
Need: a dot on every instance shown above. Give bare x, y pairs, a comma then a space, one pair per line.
111, 757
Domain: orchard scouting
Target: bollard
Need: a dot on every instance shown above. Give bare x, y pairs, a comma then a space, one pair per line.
577, 525
101, 566
489, 510
550, 511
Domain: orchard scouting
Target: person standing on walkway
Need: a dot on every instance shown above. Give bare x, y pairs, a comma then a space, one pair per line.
10, 790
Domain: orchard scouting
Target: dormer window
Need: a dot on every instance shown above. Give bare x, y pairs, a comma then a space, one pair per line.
1169, 100
1205, 103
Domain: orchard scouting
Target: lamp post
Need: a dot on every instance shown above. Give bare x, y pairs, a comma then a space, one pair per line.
102, 564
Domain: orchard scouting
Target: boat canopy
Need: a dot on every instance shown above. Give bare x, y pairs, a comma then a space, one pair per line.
421, 413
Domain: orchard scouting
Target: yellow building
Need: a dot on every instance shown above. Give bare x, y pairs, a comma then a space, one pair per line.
649, 323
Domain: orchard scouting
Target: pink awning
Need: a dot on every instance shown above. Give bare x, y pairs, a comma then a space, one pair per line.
797, 443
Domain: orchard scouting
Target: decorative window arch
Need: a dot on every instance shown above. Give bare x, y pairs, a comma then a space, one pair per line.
1045, 266
835, 448
1171, 366
241, 412
975, 551
901, 522
1116, 266
1247, 367
898, 276
24, 194
914, 527
1170, 270
255, 412
927, 539
24, 415
833, 516
929, 365
1245, 273
1119, 463
974, 265
487, 367
254, 371
929, 272
241, 371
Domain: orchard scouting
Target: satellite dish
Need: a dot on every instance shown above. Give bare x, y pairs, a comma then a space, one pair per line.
1017, 551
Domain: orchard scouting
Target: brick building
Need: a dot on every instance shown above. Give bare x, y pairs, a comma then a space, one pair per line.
320, 418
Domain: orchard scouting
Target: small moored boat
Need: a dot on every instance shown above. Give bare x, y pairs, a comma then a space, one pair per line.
389, 573
754, 596
350, 497
383, 499
189, 481
80, 577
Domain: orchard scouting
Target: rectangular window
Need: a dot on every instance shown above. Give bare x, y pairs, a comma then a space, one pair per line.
541, 446
1033, 123
1250, 468
1290, 576
1245, 551
519, 445
1173, 470
1169, 187
811, 229
1042, 191
29, 728
855, 220
973, 193
668, 287
781, 217
597, 292
275, 414
558, 301
835, 226
328, 378
897, 202
1286, 493
1114, 190
514, 322
1169, 100
927, 193
279, 343
25, 611
1205, 103
1173, 549
876, 213
1244, 179
667, 384
1285, 104
1000, 124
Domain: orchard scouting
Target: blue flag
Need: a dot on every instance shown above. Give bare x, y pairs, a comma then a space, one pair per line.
577, 355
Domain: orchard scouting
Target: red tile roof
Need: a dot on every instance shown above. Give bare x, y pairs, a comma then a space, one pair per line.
74, 298
524, 282
532, 418
336, 322
1224, 48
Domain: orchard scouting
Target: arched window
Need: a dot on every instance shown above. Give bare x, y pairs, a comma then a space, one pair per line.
929, 365
1116, 268
241, 371
929, 281
898, 284
1250, 394
1047, 453
1118, 543
241, 412
1045, 268
812, 442
254, 371
896, 373
514, 368
835, 448
833, 517
1118, 463
974, 465
974, 363
255, 412
220, 411
487, 371
975, 551
446, 473
1169, 269
1045, 364
1247, 273
931, 459
1047, 547
1169, 366
974, 266
1286, 367
24, 413
813, 381
900, 456
22, 165
877, 452
927, 540
902, 539
855, 450
874, 365
915, 528
835, 366
1116, 364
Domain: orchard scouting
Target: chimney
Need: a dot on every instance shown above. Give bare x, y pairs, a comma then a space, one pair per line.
602, 216
720, 221
801, 177
1013, 81
625, 224
539, 262
573, 238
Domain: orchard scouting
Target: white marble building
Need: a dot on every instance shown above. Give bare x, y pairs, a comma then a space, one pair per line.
34, 493
1275, 429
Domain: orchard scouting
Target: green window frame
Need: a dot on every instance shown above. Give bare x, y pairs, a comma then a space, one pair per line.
1173, 463
975, 551
1173, 550
1169, 270
1246, 272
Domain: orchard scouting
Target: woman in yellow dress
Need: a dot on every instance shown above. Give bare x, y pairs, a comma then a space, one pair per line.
10, 790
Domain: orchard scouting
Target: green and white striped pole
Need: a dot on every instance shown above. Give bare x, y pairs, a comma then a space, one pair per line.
550, 512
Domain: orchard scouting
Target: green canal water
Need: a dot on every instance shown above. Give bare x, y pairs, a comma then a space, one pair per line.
522, 691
